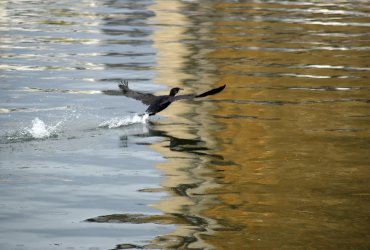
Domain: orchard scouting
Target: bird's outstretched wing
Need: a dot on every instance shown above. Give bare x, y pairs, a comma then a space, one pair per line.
212, 91
192, 96
145, 98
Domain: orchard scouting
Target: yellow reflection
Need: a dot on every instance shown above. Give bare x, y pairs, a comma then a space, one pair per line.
286, 138
167, 40
184, 173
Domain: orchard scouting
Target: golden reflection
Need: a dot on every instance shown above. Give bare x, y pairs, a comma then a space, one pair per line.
272, 195
184, 148
268, 163
181, 166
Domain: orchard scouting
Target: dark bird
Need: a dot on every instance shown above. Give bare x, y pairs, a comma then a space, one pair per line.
158, 103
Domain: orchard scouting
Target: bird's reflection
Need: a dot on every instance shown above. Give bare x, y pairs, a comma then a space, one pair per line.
150, 130
184, 217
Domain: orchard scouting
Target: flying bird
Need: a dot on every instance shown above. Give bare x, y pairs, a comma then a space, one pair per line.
158, 103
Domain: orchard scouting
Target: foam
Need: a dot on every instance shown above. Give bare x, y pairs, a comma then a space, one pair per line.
40, 130
124, 121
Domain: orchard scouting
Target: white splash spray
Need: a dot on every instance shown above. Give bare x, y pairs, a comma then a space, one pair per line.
40, 130
119, 121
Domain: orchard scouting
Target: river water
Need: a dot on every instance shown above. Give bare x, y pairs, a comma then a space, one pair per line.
278, 160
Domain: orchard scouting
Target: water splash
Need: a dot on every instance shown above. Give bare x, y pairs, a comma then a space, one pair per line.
40, 130
119, 121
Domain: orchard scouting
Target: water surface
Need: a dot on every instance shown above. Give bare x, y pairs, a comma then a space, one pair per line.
278, 160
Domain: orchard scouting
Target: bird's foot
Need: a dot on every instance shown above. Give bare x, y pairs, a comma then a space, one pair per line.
123, 85
143, 114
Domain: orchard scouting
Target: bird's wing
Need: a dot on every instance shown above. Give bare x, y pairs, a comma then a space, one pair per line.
212, 91
207, 93
145, 98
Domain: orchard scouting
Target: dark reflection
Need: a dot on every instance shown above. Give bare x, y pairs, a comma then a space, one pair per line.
123, 139
185, 218
196, 147
193, 146
158, 219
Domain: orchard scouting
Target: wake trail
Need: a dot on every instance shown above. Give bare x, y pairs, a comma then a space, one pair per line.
116, 122
40, 130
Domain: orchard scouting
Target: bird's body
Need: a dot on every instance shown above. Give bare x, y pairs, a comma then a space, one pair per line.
158, 103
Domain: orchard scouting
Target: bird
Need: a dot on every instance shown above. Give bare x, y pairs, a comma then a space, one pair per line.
155, 103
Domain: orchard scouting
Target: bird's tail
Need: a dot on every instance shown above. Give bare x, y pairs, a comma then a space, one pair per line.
212, 91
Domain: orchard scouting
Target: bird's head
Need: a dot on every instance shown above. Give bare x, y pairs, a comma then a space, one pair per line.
174, 91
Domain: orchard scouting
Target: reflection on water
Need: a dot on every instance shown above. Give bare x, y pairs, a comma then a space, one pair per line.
278, 160
291, 129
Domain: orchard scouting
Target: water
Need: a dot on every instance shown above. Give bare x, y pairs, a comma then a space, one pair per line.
278, 160
116, 122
